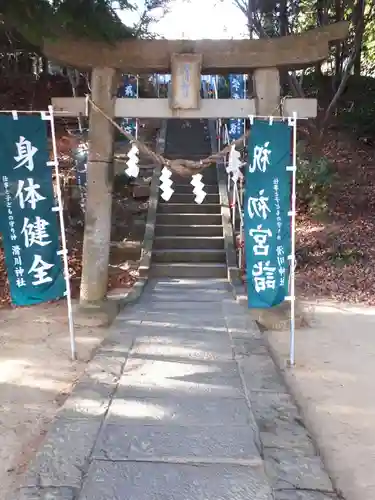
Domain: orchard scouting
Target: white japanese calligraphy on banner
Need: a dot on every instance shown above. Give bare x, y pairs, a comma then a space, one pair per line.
236, 126
260, 158
258, 206
26, 152
266, 216
29, 193
279, 249
129, 91
8, 200
35, 233
39, 268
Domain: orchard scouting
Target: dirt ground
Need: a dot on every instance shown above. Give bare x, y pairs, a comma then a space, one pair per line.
333, 382
36, 375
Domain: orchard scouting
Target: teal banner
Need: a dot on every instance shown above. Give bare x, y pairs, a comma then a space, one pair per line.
266, 219
29, 225
129, 89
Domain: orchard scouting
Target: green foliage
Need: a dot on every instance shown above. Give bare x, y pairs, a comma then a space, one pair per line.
368, 44
356, 110
38, 19
342, 254
35, 20
356, 107
315, 176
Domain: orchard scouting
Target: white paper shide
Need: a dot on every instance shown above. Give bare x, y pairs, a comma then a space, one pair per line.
198, 185
166, 184
132, 163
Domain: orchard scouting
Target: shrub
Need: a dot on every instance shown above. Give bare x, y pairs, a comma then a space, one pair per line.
315, 176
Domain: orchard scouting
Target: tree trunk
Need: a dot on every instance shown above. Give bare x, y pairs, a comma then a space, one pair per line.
338, 46
97, 234
44, 65
359, 27
250, 18
283, 18
359, 17
320, 21
74, 77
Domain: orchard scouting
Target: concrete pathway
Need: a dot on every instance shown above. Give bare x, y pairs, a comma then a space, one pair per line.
166, 410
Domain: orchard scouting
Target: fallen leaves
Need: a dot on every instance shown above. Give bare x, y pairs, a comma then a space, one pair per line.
336, 258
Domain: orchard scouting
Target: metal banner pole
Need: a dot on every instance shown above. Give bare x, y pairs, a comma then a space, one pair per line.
293, 122
137, 119
64, 251
240, 205
218, 126
245, 97
234, 202
228, 182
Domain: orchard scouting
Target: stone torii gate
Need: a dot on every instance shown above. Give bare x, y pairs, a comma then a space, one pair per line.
186, 60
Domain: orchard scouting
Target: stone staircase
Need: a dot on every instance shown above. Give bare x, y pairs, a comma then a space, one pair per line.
189, 239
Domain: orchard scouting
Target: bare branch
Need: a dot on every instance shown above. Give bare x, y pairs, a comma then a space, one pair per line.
356, 47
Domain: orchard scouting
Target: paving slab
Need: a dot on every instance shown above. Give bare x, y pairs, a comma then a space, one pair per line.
260, 373
181, 378
287, 470
143, 365
188, 284
48, 493
303, 495
191, 296
239, 326
106, 368
136, 481
244, 347
178, 444
279, 422
87, 400
187, 348
188, 328
62, 460
182, 306
189, 319
181, 335
184, 410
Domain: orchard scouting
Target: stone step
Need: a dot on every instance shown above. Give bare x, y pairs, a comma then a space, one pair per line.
186, 181
188, 198
188, 188
188, 219
188, 270
188, 255
189, 242
188, 155
188, 230
191, 208
177, 154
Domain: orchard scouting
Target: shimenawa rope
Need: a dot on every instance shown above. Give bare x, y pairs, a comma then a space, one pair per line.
180, 166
